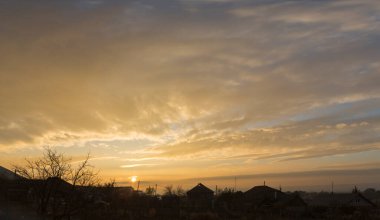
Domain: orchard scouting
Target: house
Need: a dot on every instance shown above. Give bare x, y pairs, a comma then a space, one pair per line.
334, 200
13, 186
262, 196
352, 205
267, 199
200, 198
7, 175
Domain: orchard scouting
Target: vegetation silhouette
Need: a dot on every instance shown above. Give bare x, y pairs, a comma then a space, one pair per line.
55, 182
56, 187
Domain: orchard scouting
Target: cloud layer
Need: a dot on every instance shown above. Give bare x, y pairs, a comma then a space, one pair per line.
202, 79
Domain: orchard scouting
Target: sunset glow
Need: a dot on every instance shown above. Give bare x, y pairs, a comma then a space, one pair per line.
133, 179
183, 91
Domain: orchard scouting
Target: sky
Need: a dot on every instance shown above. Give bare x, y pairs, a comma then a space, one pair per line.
184, 91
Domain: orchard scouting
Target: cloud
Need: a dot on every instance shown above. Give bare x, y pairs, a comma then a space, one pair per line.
280, 81
359, 172
137, 165
346, 16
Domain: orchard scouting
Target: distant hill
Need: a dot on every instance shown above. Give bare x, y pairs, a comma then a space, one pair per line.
6, 174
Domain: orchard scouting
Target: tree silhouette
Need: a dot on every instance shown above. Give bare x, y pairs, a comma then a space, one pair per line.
52, 173
168, 190
150, 191
180, 191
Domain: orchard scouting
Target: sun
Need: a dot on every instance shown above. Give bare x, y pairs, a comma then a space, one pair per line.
133, 179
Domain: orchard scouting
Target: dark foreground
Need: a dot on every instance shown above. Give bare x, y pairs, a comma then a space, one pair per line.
56, 199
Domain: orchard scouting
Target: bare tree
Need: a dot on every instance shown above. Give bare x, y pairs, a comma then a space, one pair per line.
169, 191
56, 179
180, 191
150, 191
52, 164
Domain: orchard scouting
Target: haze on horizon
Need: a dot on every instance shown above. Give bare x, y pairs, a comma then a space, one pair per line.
184, 91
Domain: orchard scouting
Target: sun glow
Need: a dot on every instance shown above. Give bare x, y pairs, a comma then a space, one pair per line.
133, 179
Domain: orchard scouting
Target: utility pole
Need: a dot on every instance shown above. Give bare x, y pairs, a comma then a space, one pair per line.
235, 184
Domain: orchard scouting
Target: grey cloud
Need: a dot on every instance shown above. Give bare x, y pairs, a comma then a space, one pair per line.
206, 75
348, 172
317, 137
